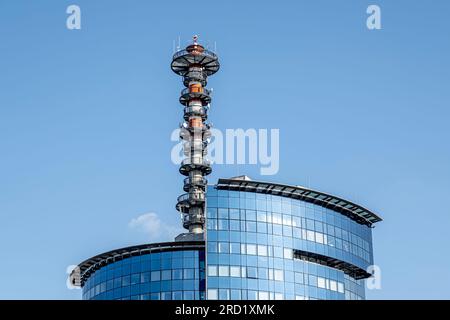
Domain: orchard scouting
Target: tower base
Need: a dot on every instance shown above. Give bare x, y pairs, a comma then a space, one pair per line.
190, 237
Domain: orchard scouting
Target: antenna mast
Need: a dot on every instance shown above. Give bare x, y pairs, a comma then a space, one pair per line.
194, 64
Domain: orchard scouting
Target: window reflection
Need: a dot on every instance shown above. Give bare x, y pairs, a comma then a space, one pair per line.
268, 227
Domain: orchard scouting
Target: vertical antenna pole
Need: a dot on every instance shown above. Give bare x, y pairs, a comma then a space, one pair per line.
194, 64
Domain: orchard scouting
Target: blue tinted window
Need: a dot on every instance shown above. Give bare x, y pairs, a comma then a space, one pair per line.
270, 228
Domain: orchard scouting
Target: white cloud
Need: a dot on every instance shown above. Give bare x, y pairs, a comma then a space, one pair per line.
150, 224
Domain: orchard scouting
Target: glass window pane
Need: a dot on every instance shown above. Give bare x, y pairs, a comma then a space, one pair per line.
235, 271
235, 225
212, 246
252, 295
234, 214
212, 271
278, 252
263, 273
223, 224
263, 295
223, 213
319, 237
333, 285
262, 250
212, 294
235, 248
261, 216
211, 213
278, 275
298, 278
224, 271
145, 277
250, 215
288, 254
224, 294
287, 220
310, 235
251, 226
252, 272
165, 275
224, 247
251, 249
135, 278
261, 227
321, 282
188, 274
235, 294
276, 218
177, 274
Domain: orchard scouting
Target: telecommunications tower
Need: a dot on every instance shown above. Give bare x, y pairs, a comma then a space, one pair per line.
194, 64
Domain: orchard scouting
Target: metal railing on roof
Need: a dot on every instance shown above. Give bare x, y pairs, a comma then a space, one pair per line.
353, 211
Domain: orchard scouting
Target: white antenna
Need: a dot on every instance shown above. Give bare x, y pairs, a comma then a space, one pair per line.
215, 46
179, 43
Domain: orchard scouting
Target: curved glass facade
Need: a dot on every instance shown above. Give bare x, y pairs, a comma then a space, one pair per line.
169, 275
257, 245
253, 238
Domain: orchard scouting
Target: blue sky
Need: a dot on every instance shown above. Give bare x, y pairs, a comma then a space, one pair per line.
86, 117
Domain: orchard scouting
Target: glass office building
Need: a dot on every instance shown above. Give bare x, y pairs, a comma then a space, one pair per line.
263, 241
247, 239
271, 241
161, 271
